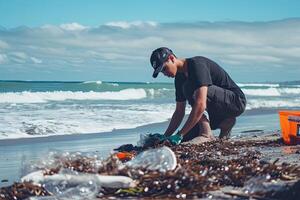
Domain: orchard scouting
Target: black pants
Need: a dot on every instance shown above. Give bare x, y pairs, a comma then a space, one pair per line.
221, 104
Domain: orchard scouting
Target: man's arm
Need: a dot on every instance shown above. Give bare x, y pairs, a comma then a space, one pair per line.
197, 110
176, 118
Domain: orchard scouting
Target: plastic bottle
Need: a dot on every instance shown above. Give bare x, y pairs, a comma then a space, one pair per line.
161, 159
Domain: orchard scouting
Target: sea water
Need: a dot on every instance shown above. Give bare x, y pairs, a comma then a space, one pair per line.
43, 108
30, 111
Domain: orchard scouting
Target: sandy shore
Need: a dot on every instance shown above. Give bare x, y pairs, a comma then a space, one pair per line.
259, 167
17, 153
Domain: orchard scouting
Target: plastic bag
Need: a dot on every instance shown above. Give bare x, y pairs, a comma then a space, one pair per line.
161, 159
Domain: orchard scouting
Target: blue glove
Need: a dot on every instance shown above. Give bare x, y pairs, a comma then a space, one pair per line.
175, 139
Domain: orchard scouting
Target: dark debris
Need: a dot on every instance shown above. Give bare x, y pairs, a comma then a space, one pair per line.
201, 169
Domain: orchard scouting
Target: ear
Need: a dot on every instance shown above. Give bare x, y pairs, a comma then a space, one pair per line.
172, 58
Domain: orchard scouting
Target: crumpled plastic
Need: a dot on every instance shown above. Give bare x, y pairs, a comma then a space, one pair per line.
162, 159
260, 185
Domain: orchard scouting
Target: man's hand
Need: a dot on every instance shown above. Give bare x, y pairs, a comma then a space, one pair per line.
159, 136
175, 139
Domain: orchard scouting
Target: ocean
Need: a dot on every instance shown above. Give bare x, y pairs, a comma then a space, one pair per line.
43, 108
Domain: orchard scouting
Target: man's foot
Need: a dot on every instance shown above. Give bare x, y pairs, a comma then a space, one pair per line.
226, 127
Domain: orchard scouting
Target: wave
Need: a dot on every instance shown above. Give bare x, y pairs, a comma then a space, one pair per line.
290, 91
39, 120
257, 85
262, 92
43, 97
261, 103
113, 84
272, 91
93, 82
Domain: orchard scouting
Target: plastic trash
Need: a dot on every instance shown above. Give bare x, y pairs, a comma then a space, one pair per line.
65, 185
75, 179
124, 156
149, 140
128, 148
162, 159
260, 185
62, 190
56, 159
83, 191
143, 138
70, 185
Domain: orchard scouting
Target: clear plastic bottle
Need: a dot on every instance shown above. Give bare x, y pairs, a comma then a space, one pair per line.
162, 159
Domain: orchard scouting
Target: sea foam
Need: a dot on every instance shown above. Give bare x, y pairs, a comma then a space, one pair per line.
271, 91
43, 97
257, 85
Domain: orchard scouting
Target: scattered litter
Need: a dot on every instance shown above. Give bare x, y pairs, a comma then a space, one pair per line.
161, 159
196, 172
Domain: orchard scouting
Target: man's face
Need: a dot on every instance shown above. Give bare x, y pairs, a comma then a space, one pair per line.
170, 68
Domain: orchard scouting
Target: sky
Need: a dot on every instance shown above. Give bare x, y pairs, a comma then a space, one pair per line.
253, 40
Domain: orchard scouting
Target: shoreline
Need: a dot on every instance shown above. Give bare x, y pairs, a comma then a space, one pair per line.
17, 154
80, 136
227, 171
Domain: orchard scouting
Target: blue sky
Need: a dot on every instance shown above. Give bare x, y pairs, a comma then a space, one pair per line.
255, 40
94, 12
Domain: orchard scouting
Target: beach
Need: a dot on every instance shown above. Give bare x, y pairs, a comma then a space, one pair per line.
16, 154
42, 119
255, 163
116, 100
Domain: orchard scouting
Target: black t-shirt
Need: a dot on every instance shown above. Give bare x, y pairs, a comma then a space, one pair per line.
204, 72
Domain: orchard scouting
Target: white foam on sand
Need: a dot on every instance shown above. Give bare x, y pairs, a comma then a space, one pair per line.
35, 121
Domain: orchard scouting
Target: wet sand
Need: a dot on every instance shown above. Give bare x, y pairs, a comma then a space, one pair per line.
15, 154
249, 167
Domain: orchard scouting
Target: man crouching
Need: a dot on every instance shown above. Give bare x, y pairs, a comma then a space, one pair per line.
215, 98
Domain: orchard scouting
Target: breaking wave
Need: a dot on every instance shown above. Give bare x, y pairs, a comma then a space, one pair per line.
43, 97
272, 91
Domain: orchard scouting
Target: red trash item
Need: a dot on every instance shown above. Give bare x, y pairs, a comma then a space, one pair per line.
124, 156
290, 126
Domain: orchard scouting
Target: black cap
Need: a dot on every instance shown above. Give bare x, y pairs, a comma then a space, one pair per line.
157, 59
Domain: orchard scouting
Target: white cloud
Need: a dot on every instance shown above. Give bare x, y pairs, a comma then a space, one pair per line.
20, 58
73, 27
127, 25
252, 58
48, 30
3, 45
20, 55
36, 60
3, 58
128, 44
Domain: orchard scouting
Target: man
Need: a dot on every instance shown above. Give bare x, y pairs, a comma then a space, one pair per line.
215, 98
